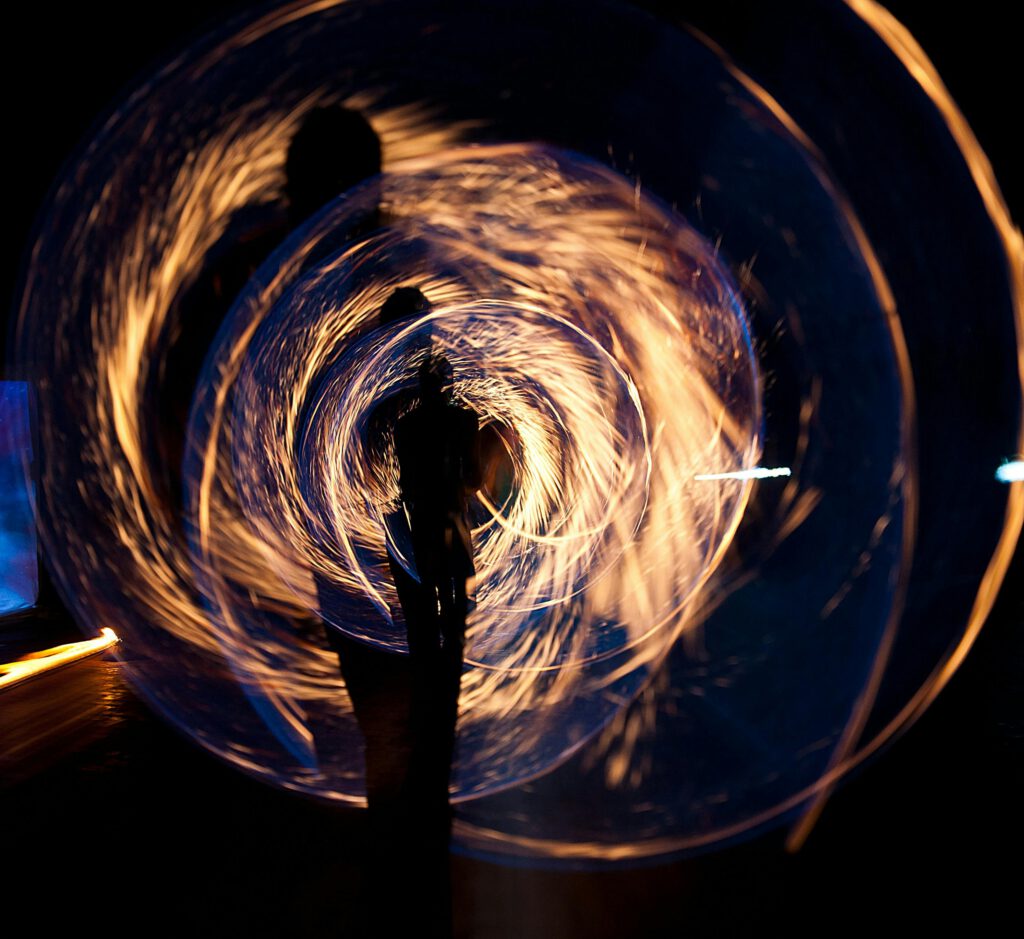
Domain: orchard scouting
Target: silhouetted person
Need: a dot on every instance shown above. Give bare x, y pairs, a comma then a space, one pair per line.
407, 765
334, 150
437, 445
380, 684
402, 304
407, 706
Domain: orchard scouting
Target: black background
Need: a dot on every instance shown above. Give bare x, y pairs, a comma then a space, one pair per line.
927, 835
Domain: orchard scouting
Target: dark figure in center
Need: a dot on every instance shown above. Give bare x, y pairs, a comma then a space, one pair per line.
407, 706
437, 446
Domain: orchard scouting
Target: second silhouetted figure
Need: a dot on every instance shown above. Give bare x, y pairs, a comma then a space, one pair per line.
436, 445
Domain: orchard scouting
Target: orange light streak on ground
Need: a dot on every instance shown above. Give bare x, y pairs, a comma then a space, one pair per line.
38, 663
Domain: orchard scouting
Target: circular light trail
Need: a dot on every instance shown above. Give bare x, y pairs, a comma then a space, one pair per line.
695, 553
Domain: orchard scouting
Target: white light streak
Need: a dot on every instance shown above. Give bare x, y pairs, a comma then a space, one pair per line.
1011, 472
758, 472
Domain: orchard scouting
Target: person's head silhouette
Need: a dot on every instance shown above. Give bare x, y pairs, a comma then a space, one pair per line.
402, 303
334, 150
435, 374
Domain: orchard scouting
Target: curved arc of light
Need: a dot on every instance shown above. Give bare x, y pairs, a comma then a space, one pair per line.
812, 798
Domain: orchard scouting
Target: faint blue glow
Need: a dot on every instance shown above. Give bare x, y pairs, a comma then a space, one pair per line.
19, 581
1011, 472
758, 472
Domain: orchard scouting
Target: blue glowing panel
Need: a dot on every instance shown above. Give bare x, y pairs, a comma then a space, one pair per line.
19, 575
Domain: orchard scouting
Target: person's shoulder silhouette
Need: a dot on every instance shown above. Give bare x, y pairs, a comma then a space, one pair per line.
436, 443
402, 304
334, 149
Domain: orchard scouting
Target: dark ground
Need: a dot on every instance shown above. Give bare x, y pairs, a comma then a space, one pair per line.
120, 825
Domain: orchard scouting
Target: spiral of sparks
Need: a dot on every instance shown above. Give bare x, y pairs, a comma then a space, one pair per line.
603, 342
585, 575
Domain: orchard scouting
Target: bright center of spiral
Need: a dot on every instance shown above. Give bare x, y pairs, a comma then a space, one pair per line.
593, 332
575, 445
